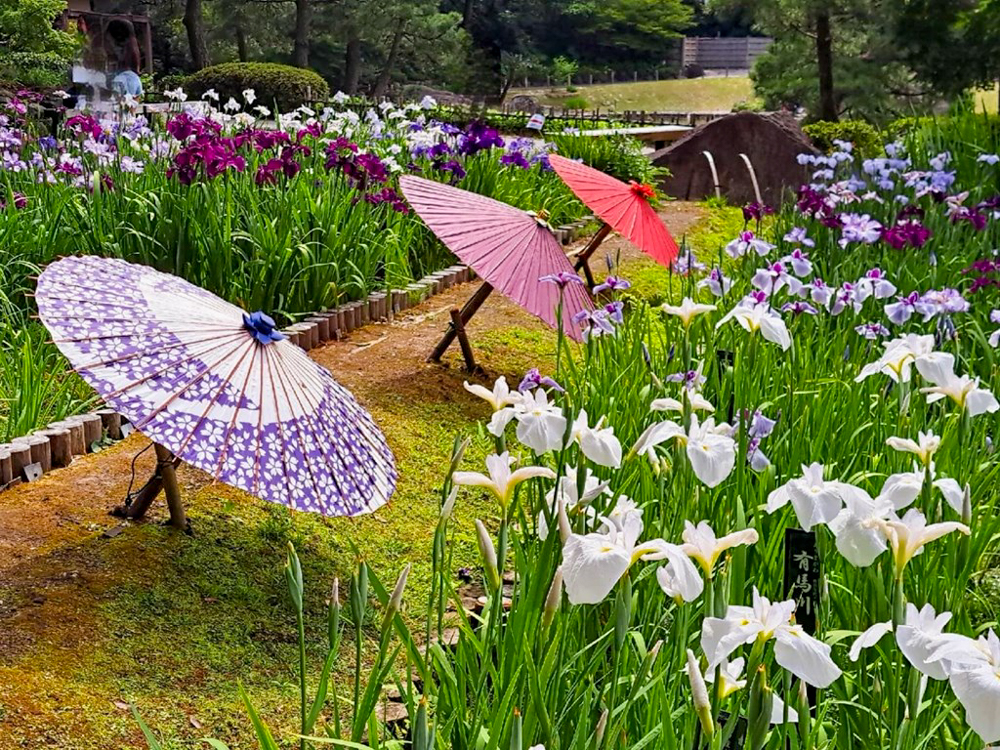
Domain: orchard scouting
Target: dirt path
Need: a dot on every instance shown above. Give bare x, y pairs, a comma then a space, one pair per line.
65, 562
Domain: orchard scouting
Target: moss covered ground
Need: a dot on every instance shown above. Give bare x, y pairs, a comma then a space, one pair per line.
95, 618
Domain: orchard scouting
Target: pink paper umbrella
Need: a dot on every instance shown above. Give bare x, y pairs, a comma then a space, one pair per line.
511, 250
623, 207
214, 386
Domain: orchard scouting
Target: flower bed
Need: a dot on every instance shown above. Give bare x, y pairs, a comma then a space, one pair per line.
753, 517
287, 213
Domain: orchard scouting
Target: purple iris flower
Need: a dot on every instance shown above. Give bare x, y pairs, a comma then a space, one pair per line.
614, 283
872, 331
906, 232
774, 278
515, 159
748, 241
691, 379
798, 308
756, 211
533, 379
20, 202
562, 279
614, 311
941, 302
798, 236
799, 261
846, 296
875, 284
819, 292
717, 282
685, 263
598, 323
760, 426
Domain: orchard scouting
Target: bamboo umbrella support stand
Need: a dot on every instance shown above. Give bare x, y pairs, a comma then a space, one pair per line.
583, 257
163, 480
456, 329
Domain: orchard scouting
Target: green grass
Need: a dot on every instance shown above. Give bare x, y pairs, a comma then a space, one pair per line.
986, 99
654, 284
680, 95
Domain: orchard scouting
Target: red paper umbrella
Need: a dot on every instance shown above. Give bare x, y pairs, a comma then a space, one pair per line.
510, 249
623, 207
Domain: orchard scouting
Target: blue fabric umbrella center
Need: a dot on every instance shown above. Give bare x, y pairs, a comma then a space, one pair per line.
262, 327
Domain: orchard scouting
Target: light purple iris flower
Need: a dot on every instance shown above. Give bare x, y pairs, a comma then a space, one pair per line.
760, 425
902, 310
941, 161
872, 331
686, 263
846, 296
598, 323
859, 228
745, 242
772, 279
132, 166
799, 261
874, 284
798, 236
819, 292
991, 159
692, 379
941, 302
717, 282
11, 162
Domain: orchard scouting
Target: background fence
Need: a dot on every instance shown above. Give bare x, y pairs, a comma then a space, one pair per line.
717, 53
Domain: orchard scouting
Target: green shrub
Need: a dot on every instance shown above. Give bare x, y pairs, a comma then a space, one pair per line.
618, 155
283, 86
906, 125
866, 139
575, 102
35, 70
171, 82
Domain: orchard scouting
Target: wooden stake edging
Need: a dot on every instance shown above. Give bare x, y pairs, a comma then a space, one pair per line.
6, 475
111, 423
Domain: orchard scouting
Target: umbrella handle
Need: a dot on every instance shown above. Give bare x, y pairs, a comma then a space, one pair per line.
468, 310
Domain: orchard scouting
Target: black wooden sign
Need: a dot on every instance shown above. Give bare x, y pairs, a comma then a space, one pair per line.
802, 577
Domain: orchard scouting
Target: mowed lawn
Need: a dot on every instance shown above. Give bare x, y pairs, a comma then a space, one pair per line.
679, 95
987, 99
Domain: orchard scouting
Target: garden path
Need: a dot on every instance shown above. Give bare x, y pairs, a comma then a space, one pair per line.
95, 614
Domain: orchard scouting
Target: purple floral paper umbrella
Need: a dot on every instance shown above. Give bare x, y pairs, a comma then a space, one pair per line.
219, 388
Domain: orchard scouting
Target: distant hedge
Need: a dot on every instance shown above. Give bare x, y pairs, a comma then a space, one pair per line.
866, 139
283, 86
